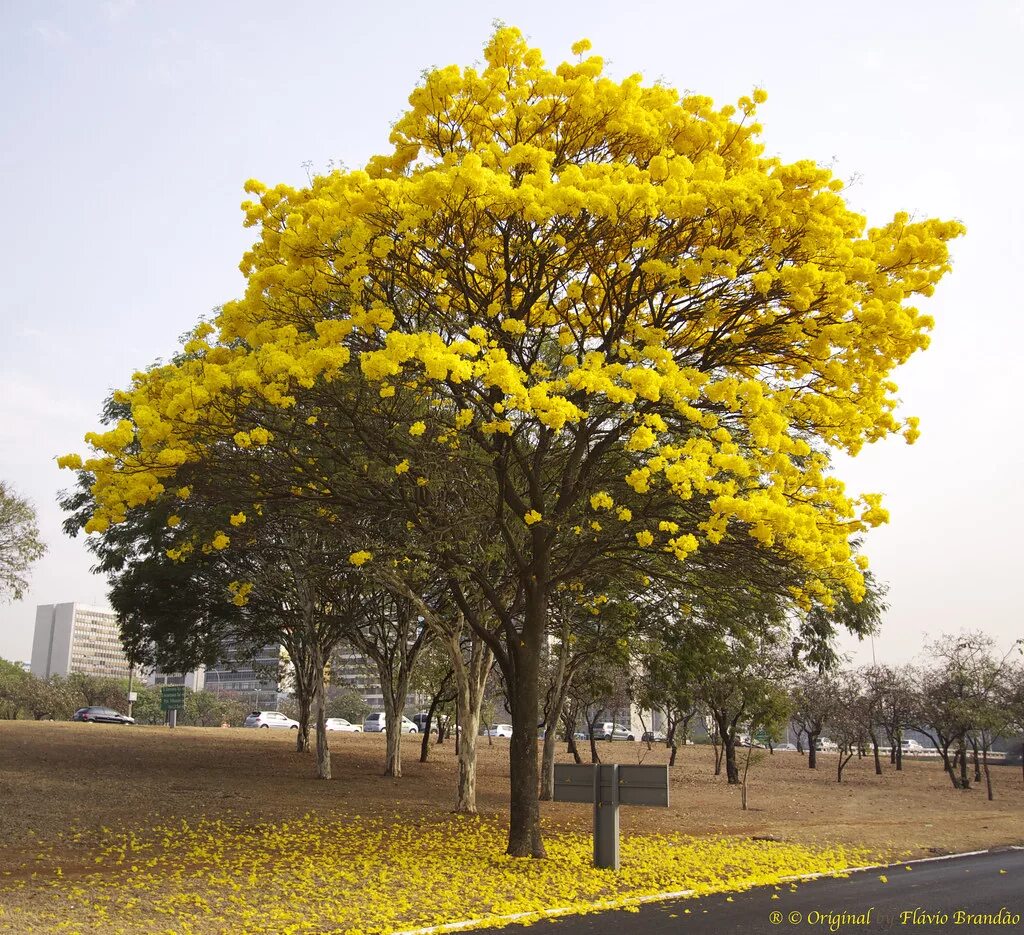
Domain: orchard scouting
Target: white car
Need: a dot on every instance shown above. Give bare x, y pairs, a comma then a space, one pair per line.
270, 719
612, 731
377, 722
339, 723
911, 747
500, 730
826, 745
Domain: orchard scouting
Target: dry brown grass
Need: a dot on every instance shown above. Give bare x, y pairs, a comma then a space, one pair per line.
54, 776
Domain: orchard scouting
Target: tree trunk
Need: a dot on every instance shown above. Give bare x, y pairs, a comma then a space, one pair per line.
812, 752
393, 708
977, 763
728, 734
524, 836
670, 740
470, 683
878, 759
425, 742
965, 783
570, 717
323, 751
843, 762
731, 769
595, 757
302, 735
948, 766
746, 770
988, 777
547, 766
551, 718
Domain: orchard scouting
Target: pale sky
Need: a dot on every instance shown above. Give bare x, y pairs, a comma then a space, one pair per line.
127, 129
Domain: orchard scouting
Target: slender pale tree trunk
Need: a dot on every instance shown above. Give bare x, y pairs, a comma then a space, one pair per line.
470, 682
746, 770
394, 705
554, 715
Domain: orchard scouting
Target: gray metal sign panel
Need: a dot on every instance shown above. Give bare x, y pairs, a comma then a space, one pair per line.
643, 785
638, 785
574, 783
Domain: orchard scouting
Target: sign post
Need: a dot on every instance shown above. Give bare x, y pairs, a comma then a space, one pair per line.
607, 786
172, 700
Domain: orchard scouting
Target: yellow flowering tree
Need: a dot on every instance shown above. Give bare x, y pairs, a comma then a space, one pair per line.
608, 299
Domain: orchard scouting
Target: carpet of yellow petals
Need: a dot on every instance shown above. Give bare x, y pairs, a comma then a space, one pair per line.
371, 875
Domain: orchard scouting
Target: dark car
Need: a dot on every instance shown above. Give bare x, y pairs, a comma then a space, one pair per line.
98, 715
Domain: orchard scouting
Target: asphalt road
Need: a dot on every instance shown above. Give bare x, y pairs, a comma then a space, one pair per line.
937, 890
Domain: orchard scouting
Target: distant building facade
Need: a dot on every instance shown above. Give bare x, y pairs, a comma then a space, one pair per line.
256, 676
353, 670
73, 638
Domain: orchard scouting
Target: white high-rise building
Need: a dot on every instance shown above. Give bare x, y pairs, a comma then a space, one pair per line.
77, 638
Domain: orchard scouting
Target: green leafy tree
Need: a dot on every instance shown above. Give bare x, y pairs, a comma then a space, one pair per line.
13, 688
20, 545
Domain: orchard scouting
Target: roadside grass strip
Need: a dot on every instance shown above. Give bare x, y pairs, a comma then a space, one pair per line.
370, 876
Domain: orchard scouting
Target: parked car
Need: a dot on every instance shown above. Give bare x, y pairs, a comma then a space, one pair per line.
910, 746
787, 747
340, 724
653, 736
826, 745
420, 720
610, 731
377, 722
270, 719
499, 730
99, 715
744, 741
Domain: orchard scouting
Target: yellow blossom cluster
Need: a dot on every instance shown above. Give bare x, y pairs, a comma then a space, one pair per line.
240, 591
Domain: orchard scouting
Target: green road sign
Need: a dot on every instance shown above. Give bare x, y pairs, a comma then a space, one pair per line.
172, 697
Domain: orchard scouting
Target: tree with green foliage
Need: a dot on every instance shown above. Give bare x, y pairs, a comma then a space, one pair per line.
20, 545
